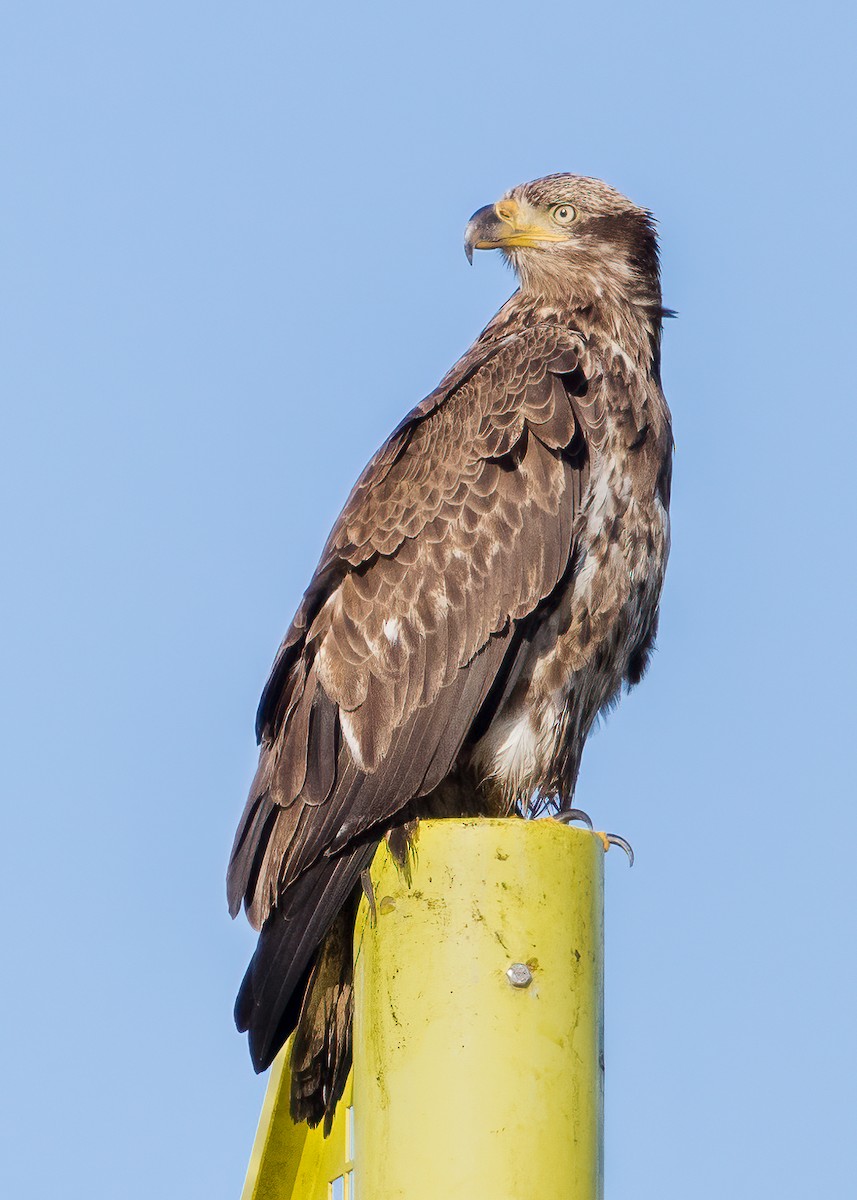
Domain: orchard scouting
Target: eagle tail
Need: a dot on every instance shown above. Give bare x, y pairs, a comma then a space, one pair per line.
300, 978
321, 1051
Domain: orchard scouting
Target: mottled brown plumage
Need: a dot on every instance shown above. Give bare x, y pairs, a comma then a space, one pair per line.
492, 581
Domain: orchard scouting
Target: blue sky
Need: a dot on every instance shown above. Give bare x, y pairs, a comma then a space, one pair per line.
231, 242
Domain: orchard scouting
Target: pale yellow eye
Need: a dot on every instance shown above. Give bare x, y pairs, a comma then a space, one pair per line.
563, 214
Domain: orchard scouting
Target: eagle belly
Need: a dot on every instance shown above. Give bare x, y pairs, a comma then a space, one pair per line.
598, 636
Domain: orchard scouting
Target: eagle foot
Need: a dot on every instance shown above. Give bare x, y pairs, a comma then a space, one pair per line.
567, 815
613, 839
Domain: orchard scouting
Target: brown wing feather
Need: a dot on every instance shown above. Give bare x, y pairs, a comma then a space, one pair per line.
412, 611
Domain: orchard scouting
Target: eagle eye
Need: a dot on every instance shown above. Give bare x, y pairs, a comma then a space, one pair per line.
563, 214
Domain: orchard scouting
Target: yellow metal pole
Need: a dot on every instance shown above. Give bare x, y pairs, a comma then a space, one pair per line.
478, 1030
479, 1017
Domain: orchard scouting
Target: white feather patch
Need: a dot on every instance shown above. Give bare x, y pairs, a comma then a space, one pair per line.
509, 749
345, 723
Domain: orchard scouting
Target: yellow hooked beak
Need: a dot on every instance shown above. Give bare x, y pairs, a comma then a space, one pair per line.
497, 226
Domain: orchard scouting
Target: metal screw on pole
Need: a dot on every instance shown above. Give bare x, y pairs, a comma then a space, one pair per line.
519, 975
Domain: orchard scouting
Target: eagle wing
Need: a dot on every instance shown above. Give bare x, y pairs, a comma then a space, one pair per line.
459, 528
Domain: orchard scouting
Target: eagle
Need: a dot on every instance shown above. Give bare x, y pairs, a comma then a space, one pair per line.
492, 582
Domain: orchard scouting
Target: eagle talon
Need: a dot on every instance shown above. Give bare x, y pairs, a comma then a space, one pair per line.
613, 839
567, 815
369, 892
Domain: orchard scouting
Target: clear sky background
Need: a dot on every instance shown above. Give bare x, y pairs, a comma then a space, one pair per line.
231, 241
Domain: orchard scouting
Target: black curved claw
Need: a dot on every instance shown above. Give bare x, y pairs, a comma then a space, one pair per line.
614, 840
567, 815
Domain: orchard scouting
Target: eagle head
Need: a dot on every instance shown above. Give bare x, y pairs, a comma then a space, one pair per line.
568, 234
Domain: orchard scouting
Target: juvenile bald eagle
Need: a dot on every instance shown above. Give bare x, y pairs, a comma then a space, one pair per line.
492, 581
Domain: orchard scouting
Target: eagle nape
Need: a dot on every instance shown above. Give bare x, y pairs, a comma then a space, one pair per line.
491, 586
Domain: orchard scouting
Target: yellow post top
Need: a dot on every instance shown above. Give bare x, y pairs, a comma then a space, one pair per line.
478, 1029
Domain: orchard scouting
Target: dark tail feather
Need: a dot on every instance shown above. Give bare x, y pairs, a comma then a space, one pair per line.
321, 1051
272, 993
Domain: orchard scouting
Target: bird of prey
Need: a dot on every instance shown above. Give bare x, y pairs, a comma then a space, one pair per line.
492, 582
